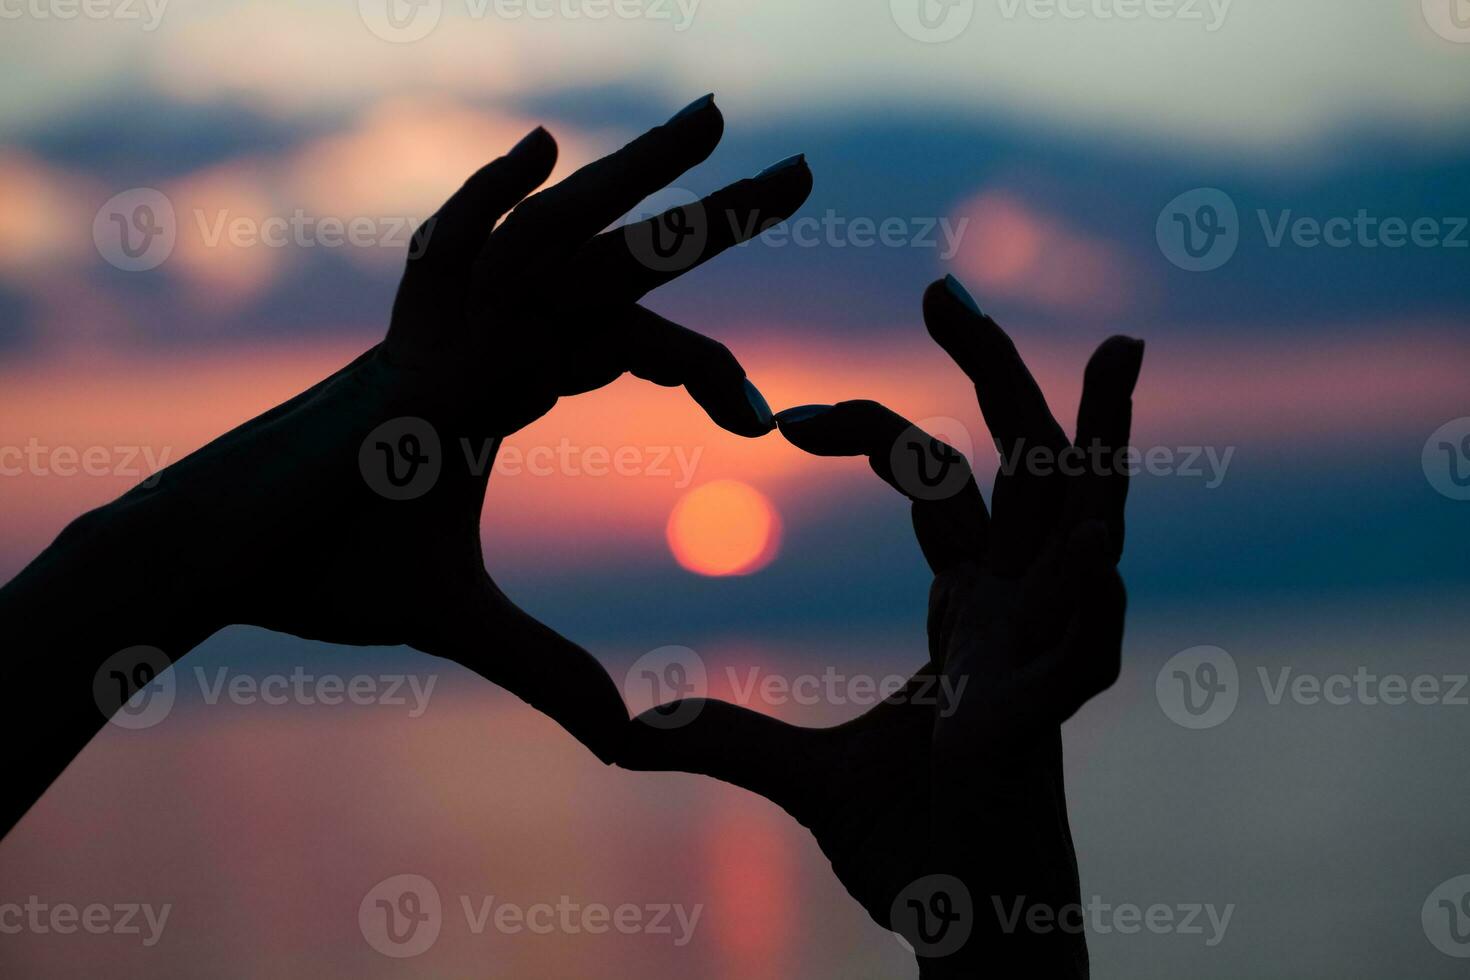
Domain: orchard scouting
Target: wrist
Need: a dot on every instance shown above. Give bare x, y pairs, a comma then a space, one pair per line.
135, 562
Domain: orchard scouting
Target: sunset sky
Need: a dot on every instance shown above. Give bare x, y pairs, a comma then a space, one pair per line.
1034, 157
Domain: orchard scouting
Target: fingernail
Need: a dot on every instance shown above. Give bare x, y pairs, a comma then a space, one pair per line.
961, 294
698, 105
787, 164
535, 136
759, 404
801, 413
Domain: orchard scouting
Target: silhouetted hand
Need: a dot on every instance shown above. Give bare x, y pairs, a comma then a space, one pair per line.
959, 774
351, 513
488, 331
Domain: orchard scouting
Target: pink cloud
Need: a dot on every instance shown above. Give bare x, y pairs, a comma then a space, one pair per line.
1018, 252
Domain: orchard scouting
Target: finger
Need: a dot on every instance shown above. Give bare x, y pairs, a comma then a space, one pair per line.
1028, 495
733, 744
949, 514
1014, 408
657, 349
1103, 422
630, 261
559, 219
1074, 610
450, 240
1089, 659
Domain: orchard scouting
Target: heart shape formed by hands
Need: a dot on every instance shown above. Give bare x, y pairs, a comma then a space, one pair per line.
355, 480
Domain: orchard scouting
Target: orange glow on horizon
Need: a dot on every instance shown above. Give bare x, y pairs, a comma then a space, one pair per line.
724, 527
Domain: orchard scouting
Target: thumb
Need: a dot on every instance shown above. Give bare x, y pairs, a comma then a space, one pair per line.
782, 762
507, 646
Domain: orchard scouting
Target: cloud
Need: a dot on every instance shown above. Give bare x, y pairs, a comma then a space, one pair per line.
357, 193
44, 225
1013, 251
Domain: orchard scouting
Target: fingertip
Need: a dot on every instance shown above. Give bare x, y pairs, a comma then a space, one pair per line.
759, 407
700, 120
1118, 361
780, 189
735, 408
951, 314
799, 182
537, 146
704, 103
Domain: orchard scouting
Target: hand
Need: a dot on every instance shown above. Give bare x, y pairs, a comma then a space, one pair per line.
959, 774
350, 514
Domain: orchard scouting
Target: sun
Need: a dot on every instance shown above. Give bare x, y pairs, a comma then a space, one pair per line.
724, 527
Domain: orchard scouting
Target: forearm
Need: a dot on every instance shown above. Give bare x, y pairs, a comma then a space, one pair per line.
118, 578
